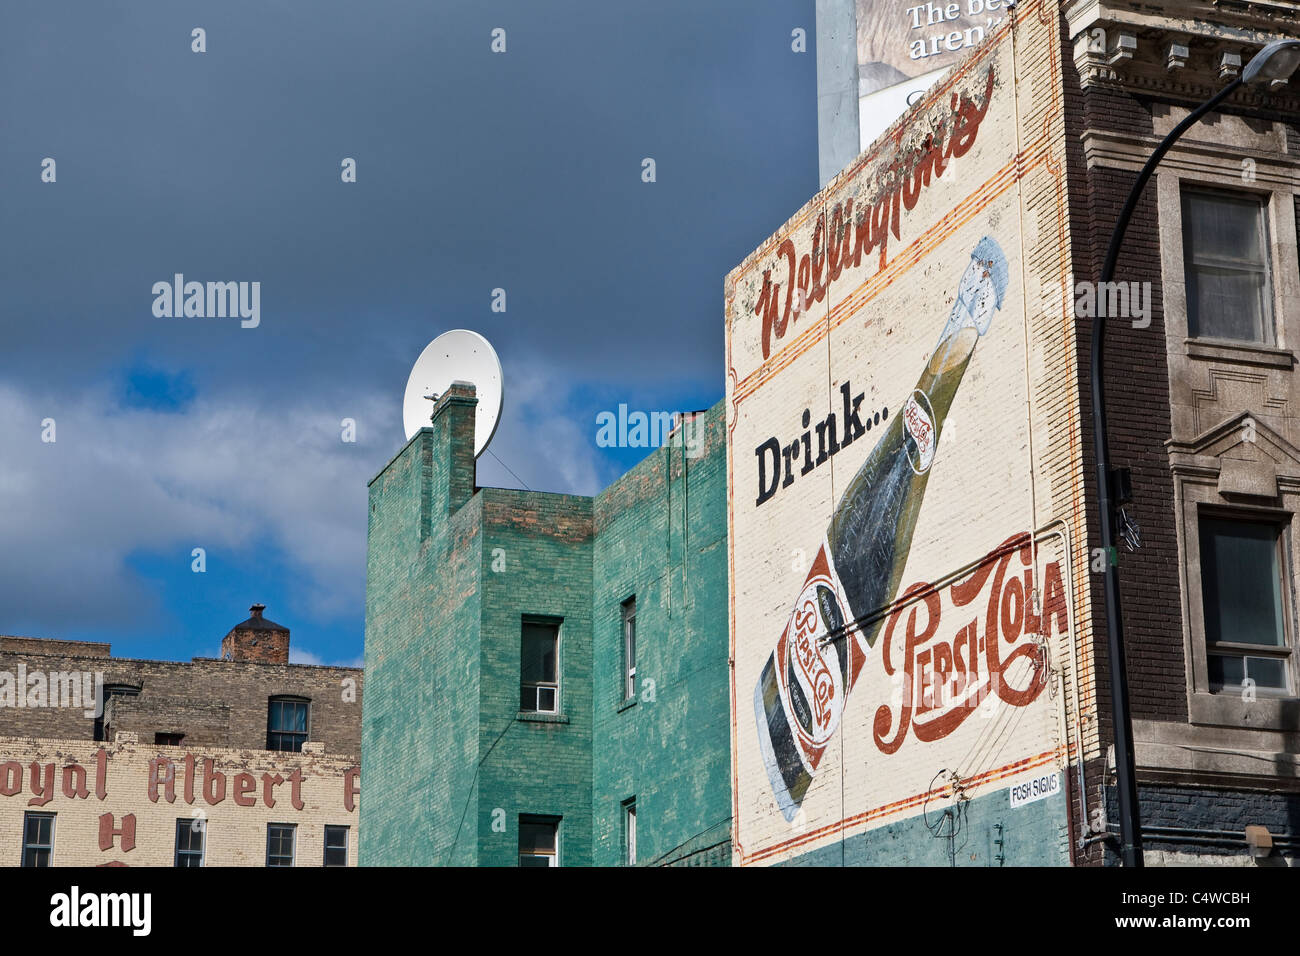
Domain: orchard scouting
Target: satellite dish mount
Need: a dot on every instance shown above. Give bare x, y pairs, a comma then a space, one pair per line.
456, 356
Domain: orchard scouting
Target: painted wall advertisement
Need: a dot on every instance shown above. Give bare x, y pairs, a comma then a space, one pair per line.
895, 598
904, 46
130, 804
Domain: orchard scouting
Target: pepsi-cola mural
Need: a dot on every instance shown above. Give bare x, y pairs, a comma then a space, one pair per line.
902, 580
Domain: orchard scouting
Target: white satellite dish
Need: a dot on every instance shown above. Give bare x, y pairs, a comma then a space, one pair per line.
456, 356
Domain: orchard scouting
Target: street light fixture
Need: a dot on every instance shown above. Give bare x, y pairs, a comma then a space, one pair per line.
1271, 66
1274, 64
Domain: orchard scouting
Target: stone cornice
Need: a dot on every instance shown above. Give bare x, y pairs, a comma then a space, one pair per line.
1182, 51
1129, 151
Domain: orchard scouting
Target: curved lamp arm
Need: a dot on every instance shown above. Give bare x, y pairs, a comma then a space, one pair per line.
1273, 65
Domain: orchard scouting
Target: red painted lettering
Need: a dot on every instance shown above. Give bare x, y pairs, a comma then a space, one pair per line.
244, 785
107, 832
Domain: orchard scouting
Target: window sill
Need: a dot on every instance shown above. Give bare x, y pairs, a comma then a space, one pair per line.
537, 717
624, 705
1231, 710
1171, 752
1241, 353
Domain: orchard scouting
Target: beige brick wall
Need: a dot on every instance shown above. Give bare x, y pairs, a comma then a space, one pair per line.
236, 834
1008, 462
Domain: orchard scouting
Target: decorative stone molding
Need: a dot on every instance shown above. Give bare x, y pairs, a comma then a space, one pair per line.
1123, 47
1246, 440
1176, 54
1244, 478
1229, 65
1182, 50
1178, 753
1241, 466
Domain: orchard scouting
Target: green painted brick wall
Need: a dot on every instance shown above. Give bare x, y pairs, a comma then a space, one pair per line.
661, 538
448, 760
542, 545
423, 608
1034, 834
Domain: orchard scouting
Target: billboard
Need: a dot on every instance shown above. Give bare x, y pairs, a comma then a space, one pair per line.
904, 46
904, 476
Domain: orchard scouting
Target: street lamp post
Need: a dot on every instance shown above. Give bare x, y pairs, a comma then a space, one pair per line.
1273, 65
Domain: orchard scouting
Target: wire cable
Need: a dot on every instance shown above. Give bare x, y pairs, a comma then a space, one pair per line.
472, 781
507, 468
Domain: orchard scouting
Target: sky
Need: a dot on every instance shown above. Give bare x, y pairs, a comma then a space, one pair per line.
158, 474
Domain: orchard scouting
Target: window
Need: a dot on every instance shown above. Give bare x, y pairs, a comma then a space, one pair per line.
629, 831
38, 839
280, 843
539, 690
109, 692
629, 648
539, 841
1229, 295
191, 839
336, 846
286, 724
167, 740
1243, 584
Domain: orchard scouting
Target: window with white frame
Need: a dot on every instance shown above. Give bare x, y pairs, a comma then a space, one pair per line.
1245, 596
280, 843
539, 841
629, 831
629, 648
38, 839
539, 687
1226, 266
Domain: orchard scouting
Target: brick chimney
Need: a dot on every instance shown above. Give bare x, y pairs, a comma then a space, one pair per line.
256, 639
451, 449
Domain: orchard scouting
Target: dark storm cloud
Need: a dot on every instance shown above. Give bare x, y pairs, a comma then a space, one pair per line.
475, 171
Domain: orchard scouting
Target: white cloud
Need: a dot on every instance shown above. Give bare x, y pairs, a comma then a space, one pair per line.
547, 447
220, 476
223, 475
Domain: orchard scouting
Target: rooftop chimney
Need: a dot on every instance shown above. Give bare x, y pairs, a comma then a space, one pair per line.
451, 451
256, 639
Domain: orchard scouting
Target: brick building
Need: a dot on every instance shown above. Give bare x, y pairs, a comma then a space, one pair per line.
915, 670
1203, 409
1020, 159
546, 672
247, 760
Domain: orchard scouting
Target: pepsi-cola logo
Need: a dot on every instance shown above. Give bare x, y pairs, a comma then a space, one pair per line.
919, 422
815, 683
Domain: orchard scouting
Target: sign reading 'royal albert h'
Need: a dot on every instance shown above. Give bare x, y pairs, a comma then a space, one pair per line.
897, 588
122, 803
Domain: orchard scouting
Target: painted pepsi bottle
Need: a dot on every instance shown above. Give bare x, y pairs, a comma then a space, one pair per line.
837, 616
